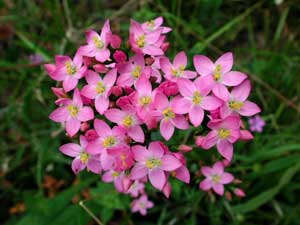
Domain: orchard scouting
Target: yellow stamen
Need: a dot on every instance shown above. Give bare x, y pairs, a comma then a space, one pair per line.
168, 113
109, 141
141, 41
128, 121
98, 43
216, 178
197, 98
145, 100
217, 73
177, 72
115, 174
136, 72
71, 70
73, 110
223, 133
235, 105
84, 157
173, 173
150, 24
152, 163
100, 88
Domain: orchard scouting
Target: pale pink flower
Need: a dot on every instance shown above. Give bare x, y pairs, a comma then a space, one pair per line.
141, 205
136, 188
116, 177
220, 73
195, 100
73, 113
68, 71
153, 162
142, 42
132, 71
165, 112
224, 133
238, 103
82, 159
176, 70
97, 44
128, 120
155, 24
99, 89
215, 178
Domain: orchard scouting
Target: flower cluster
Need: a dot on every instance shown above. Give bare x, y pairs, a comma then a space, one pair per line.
113, 95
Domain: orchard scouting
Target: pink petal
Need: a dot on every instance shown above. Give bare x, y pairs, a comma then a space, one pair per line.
204, 84
110, 78
180, 122
107, 177
85, 114
218, 168
156, 149
89, 91
102, 55
94, 147
206, 171
233, 78
102, 128
77, 165
211, 103
180, 60
77, 98
170, 163
225, 148
183, 174
59, 115
92, 77
72, 126
205, 185
94, 166
249, 109
186, 87
125, 79
196, 115
210, 140
70, 149
203, 65
114, 115
218, 188
165, 65
161, 101
101, 104
152, 50
138, 172
69, 83
140, 153
225, 61
157, 178
226, 178
241, 92
136, 133
106, 160
189, 74
143, 85
166, 129
221, 92
181, 105
246, 135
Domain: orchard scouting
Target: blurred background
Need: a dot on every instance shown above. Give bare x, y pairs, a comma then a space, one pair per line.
37, 186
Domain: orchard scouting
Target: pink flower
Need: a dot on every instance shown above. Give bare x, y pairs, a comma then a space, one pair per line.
155, 24
176, 70
120, 56
215, 178
220, 73
68, 71
73, 113
97, 44
133, 71
224, 133
107, 138
99, 89
128, 120
237, 103
141, 205
91, 135
135, 188
81, 158
257, 124
116, 177
142, 42
165, 111
153, 162
195, 100
168, 88
123, 158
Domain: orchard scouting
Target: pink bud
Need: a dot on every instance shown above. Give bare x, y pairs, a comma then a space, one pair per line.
165, 46
199, 140
49, 68
87, 61
128, 90
215, 114
185, 148
91, 135
246, 135
59, 92
123, 101
100, 68
115, 41
119, 56
167, 189
117, 91
239, 192
126, 183
168, 88
226, 162
84, 126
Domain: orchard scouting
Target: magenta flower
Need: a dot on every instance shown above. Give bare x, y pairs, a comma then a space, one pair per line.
99, 89
220, 73
133, 71
257, 124
237, 103
195, 100
82, 159
165, 111
107, 138
176, 70
97, 44
135, 188
128, 120
116, 177
142, 42
68, 71
215, 178
224, 133
141, 205
153, 162
73, 113
155, 24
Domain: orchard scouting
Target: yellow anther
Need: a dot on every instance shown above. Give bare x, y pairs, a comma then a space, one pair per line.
145, 100
84, 157
128, 121
168, 113
70, 69
115, 174
150, 24
73, 110
98, 43
141, 41
109, 141
100, 88
216, 178
136, 72
217, 72
235, 105
223, 133
152, 163
197, 98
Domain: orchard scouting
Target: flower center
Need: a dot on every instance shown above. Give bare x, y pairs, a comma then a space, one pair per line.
150, 24
115, 174
152, 163
216, 178
109, 141
136, 72
235, 105
168, 113
100, 88
141, 41
71, 70
84, 157
217, 73
73, 110
128, 121
145, 100
98, 43
177, 72
197, 98
223, 133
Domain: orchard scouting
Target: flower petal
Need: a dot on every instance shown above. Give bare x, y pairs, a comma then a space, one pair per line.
70, 149
138, 172
157, 178
203, 65
249, 109
225, 148
225, 61
196, 115
85, 114
136, 133
166, 129
233, 78
170, 163
205, 185
180, 60
72, 126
